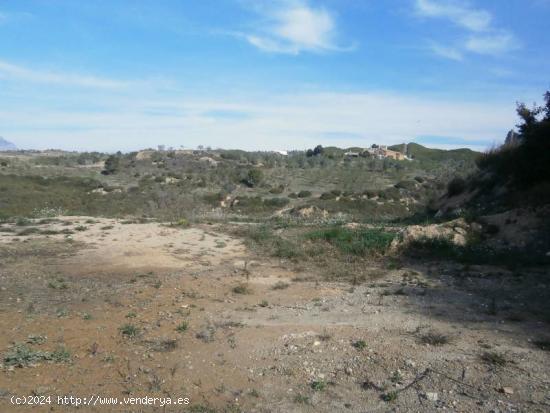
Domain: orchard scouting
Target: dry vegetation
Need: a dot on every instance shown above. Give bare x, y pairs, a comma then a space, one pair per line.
255, 282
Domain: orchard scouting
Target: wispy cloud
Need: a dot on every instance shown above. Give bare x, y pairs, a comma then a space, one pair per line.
280, 121
446, 52
494, 44
294, 27
460, 14
16, 72
484, 38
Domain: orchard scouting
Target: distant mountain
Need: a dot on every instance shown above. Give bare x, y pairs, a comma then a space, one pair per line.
421, 153
6, 146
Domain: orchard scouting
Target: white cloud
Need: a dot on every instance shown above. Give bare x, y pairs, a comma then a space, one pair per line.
460, 14
294, 27
290, 121
493, 44
484, 38
446, 52
15, 72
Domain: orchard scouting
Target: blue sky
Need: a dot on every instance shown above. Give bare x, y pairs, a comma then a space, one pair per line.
281, 74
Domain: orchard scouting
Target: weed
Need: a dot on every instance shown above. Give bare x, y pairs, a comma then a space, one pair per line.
280, 285
396, 377
355, 241
131, 314
264, 303
80, 228
242, 289
434, 338
21, 355
86, 316
129, 330
61, 355
301, 399
182, 327
107, 227
58, 284
360, 344
494, 358
318, 385
390, 396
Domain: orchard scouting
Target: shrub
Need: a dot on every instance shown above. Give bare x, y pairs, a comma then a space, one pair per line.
360, 344
304, 194
318, 385
182, 327
253, 177
241, 289
456, 186
355, 241
129, 330
434, 339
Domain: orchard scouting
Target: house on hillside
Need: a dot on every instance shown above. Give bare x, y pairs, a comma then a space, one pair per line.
382, 152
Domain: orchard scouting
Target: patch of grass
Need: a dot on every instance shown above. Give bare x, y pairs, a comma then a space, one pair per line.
318, 385
182, 327
107, 227
355, 241
433, 338
129, 330
390, 396
86, 316
301, 399
494, 358
81, 228
61, 355
264, 303
360, 344
242, 289
21, 355
131, 314
58, 284
280, 285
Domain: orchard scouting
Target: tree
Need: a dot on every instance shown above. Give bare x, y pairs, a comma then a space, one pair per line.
318, 150
253, 177
111, 165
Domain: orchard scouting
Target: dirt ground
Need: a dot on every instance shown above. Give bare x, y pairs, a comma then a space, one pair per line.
143, 309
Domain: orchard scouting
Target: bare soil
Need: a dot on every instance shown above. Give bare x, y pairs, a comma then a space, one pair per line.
275, 343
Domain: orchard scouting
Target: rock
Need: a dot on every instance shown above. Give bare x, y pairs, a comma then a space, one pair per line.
455, 231
506, 390
432, 396
410, 363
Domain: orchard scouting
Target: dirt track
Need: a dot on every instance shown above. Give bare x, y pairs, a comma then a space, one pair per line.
278, 345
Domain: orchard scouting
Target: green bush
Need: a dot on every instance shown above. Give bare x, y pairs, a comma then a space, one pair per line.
355, 241
456, 186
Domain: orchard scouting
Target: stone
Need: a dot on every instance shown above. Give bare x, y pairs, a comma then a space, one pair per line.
506, 390
432, 396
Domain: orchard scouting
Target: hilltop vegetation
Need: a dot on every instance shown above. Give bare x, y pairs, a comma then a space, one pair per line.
222, 183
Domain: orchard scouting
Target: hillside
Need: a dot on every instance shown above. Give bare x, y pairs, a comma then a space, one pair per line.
422, 153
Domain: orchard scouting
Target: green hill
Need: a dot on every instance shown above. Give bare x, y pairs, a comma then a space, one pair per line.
421, 153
